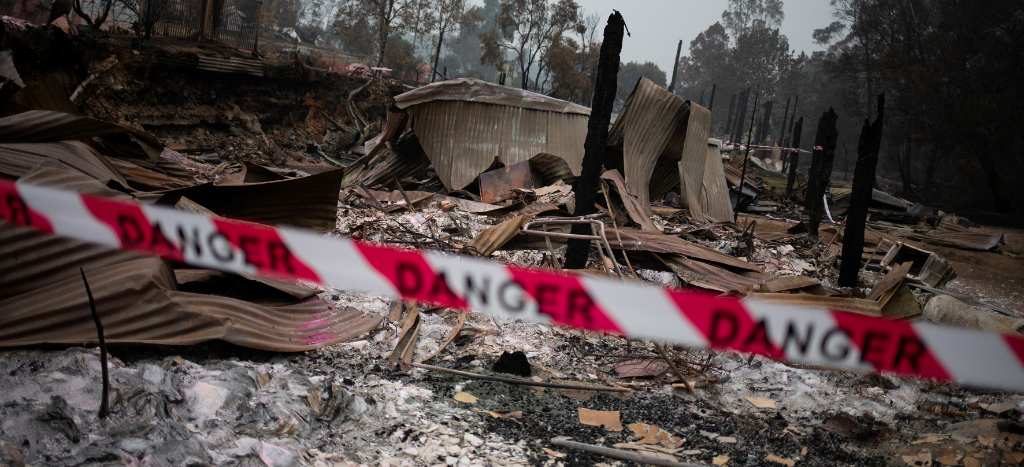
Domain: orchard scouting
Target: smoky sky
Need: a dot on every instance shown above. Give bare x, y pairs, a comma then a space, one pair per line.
657, 26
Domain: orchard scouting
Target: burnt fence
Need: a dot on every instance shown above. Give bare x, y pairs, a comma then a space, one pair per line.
233, 22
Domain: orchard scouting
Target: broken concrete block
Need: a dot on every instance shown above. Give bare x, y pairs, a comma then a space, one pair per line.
944, 309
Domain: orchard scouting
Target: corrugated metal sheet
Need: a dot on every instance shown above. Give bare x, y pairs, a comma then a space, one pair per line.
493, 238
143, 179
17, 160
405, 160
660, 243
693, 162
853, 305
462, 138
705, 275
472, 90
630, 201
310, 202
30, 260
714, 195
552, 168
44, 126
231, 65
967, 240
646, 142
137, 303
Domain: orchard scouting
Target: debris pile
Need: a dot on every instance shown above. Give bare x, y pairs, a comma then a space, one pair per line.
219, 369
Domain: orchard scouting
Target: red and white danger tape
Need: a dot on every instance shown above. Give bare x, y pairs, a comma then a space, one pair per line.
800, 335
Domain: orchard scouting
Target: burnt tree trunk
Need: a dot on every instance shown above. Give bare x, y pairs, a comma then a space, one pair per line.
821, 168
863, 182
782, 130
741, 112
794, 157
1001, 194
586, 186
728, 120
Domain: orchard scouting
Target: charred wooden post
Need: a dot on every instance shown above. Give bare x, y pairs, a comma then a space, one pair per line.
741, 111
794, 157
586, 188
863, 182
746, 156
728, 119
789, 141
821, 168
675, 68
104, 396
711, 102
782, 128
762, 129
437, 56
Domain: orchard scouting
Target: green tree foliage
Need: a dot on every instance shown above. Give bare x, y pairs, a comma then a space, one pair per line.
523, 34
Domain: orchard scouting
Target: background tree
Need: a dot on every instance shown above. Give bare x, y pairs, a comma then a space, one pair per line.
526, 29
951, 71
449, 16
630, 74
743, 15
572, 65
464, 54
366, 25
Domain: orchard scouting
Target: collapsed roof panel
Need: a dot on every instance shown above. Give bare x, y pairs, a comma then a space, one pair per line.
310, 202
648, 139
139, 305
463, 125
18, 159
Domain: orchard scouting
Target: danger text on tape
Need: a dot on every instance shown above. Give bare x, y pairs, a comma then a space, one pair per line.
800, 335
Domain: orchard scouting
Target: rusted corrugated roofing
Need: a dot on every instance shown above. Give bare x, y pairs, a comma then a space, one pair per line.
18, 159
310, 202
137, 303
143, 179
693, 161
714, 195
473, 90
660, 243
44, 126
967, 240
648, 137
629, 200
231, 65
493, 238
464, 125
403, 161
706, 276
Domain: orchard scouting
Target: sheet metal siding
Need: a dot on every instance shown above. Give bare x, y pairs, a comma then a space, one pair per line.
463, 138
693, 159
714, 198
